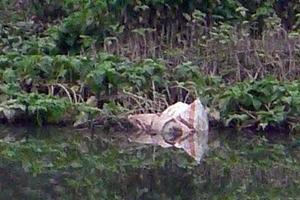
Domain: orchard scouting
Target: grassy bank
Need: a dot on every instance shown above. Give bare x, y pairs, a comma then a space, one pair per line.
49, 89
60, 70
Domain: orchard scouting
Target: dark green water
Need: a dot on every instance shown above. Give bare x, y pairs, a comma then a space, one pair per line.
53, 163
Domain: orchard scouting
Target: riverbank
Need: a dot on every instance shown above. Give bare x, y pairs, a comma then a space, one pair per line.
63, 71
264, 104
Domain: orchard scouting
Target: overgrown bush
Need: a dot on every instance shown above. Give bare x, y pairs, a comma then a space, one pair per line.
113, 51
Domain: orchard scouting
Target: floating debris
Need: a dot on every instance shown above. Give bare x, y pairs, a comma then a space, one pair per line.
181, 125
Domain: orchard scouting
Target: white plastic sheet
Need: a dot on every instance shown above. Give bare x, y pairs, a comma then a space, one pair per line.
180, 125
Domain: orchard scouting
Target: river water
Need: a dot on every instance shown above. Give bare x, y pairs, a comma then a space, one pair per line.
58, 163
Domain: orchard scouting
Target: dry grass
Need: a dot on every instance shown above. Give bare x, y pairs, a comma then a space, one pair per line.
227, 51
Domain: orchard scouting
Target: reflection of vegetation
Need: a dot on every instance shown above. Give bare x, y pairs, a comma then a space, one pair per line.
65, 166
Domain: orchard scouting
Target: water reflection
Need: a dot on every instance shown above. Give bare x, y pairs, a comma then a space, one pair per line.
53, 163
194, 144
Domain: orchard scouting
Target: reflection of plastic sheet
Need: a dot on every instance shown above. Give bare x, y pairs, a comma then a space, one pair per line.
185, 126
144, 138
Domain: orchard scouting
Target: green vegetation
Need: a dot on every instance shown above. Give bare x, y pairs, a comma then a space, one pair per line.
73, 61
55, 55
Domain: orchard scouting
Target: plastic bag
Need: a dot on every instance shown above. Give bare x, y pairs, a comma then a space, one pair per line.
180, 125
170, 128
194, 114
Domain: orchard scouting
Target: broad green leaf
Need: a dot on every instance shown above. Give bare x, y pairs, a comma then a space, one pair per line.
256, 103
